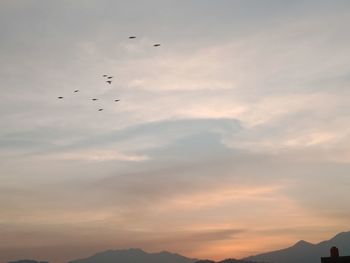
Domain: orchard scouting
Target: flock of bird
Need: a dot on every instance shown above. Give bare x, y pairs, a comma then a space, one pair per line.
108, 79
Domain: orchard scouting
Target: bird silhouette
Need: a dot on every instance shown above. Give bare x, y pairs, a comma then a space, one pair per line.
109, 81
156, 45
132, 37
116, 100
94, 99
110, 77
60, 98
76, 91
100, 109
104, 75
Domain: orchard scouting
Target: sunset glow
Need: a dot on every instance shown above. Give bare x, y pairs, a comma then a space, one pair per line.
229, 139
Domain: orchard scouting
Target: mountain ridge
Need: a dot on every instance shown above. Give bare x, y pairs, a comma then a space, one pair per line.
301, 252
134, 255
305, 252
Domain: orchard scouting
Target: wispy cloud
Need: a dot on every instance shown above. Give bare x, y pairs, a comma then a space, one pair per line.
220, 137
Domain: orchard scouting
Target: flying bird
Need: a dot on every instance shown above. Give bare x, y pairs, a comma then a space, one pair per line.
156, 45
116, 100
76, 91
100, 109
132, 37
104, 75
110, 77
60, 98
94, 99
109, 81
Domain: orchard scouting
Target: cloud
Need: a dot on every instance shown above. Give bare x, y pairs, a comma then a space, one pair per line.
224, 143
97, 156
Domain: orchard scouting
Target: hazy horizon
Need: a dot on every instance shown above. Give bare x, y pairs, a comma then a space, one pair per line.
301, 250
230, 139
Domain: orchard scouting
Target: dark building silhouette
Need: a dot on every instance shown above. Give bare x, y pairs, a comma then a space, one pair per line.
334, 252
335, 258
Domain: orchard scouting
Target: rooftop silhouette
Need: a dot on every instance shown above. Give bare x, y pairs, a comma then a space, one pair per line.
335, 257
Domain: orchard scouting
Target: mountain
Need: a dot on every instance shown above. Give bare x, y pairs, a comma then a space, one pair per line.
134, 256
28, 261
229, 260
305, 252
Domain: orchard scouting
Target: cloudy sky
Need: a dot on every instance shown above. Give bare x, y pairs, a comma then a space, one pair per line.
231, 139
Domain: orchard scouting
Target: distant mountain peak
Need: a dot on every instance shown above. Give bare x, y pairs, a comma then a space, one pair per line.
232, 260
302, 243
135, 250
342, 235
305, 252
114, 252
134, 255
165, 252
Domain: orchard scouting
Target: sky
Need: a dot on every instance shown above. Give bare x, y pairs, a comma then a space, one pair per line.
229, 140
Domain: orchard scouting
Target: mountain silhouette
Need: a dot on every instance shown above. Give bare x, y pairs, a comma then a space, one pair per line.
300, 252
134, 256
305, 252
229, 260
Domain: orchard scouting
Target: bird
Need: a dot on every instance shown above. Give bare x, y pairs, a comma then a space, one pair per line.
156, 45
110, 77
94, 99
109, 81
104, 75
76, 91
116, 100
100, 109
132, 37
60, 98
